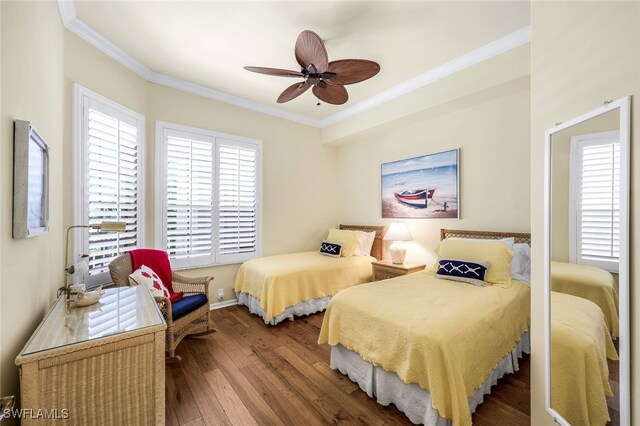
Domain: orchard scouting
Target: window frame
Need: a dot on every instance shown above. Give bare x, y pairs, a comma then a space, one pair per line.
575, 170
81, 99
163, 128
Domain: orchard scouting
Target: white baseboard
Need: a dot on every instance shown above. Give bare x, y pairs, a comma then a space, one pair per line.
224, 304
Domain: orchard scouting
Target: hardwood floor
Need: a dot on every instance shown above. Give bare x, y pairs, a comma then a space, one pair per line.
249, 373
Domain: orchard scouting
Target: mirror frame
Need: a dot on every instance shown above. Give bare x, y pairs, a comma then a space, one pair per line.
623, 277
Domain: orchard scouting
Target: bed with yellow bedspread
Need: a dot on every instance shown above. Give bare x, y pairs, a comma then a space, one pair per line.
580, 346
442, 335
591, 283
280, 282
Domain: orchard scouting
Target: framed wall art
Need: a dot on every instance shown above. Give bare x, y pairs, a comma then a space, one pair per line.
425, 187
30, 181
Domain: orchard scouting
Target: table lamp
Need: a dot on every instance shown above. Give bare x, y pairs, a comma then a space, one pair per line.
104, 226
397, 233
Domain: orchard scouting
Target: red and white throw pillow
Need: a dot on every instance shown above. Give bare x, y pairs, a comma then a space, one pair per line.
145, 276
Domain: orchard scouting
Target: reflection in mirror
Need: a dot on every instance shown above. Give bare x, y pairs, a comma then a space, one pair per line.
584, 268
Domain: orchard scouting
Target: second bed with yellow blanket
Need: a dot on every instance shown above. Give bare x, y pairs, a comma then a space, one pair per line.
580, 346
591, 283
281, 282
442, 335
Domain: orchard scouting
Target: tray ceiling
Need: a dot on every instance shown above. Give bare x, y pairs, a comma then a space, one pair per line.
208, 43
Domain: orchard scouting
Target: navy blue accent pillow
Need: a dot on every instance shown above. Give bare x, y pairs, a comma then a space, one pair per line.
330, 249
462, 270
187, 304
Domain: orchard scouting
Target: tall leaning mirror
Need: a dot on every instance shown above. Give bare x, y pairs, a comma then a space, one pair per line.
587, 268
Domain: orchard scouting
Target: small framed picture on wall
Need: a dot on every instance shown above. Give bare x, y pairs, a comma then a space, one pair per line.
425, 187
30, 182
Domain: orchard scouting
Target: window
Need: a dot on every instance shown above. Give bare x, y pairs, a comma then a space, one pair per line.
595, 200
107, 179
209, 197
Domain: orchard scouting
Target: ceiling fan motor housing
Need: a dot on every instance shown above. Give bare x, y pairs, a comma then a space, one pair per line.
315, 78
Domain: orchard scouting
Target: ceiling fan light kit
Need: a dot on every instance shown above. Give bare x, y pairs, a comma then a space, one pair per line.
327, 79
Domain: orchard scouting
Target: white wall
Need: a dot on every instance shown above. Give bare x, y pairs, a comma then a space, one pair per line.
504, 73
32, 89
582, 53
492, 132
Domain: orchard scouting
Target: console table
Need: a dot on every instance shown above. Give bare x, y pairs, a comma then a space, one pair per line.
98, 365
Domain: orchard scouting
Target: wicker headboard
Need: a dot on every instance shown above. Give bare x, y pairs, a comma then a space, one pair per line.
377, 248
519, 237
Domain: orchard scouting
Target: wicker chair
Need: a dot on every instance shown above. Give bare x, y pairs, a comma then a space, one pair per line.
195, 323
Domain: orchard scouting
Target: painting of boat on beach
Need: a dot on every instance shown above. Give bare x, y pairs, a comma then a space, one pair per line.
421, 187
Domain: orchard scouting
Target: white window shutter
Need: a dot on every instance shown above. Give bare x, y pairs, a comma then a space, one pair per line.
209, 187
108, 177
112, 190
238, 198
189, 200
597, 198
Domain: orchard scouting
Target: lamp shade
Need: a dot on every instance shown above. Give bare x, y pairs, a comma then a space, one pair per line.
398, 231
107, 226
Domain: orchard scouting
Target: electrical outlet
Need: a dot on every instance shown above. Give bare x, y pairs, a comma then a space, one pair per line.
220, 294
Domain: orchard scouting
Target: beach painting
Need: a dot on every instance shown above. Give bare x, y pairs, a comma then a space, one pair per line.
423, 187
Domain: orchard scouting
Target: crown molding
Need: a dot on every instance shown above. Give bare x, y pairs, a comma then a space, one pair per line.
207, 92
67, 10
74, 24
501, 45
97, 40
91, 36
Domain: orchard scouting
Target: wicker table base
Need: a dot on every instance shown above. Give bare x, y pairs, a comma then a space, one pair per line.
116, 378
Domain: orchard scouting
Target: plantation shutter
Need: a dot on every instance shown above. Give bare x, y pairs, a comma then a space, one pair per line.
238, 171
598, 200
209, 187
189, 199
112, 154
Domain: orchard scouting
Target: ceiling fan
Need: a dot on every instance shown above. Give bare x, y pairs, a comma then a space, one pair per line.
327, 78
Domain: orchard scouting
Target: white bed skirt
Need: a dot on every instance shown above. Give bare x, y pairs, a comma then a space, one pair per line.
303, 308
411, 399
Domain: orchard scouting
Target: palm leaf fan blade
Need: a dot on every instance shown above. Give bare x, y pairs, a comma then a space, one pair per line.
331, 94
275, 71
292, 92
351, 71
310, 50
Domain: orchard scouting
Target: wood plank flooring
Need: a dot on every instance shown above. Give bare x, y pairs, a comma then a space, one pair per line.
252, 374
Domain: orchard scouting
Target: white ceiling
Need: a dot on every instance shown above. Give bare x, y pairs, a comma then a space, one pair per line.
208, 43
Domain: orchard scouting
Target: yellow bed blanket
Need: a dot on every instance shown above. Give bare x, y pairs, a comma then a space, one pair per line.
591, 283
444, 335
283, 281
580, 346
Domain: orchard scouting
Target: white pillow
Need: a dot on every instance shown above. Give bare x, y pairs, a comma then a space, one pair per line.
145, 276
525, 277
365, 242
521, 263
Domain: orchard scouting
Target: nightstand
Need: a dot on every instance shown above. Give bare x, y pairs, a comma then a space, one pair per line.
384, 269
